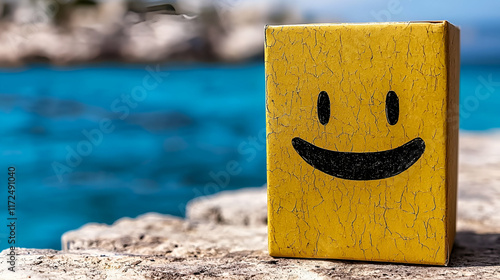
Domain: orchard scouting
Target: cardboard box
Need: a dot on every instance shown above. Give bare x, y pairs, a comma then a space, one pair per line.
362, 136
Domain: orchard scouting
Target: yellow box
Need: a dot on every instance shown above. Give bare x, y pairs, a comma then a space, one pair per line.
362, 136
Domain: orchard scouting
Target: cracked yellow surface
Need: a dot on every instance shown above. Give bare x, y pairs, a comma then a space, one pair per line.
406, 218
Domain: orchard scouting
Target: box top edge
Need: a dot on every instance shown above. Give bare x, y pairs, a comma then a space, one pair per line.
438, 22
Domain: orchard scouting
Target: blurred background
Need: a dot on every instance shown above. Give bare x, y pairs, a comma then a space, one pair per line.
117, 108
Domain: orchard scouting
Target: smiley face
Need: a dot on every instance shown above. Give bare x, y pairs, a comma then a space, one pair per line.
361, 155
365, 165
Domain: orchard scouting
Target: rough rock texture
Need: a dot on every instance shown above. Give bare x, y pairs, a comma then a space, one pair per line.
242, 207
155, 234
232, 242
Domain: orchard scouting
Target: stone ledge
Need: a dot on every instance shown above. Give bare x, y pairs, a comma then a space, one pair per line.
246, 207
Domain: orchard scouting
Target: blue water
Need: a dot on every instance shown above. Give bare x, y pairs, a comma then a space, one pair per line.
480, 97
195, 133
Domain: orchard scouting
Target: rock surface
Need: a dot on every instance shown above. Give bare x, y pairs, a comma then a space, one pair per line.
225, 237
242, 207
62, 33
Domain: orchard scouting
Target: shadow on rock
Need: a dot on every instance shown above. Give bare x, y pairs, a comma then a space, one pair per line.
473, 249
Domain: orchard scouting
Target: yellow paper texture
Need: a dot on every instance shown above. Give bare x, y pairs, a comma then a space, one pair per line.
409, 217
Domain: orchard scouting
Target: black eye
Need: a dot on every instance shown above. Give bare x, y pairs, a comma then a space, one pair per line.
392, 107
323, 107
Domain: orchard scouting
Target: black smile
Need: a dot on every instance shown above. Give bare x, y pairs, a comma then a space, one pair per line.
361, 166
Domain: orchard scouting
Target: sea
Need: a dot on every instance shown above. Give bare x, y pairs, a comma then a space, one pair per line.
94, 143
